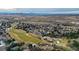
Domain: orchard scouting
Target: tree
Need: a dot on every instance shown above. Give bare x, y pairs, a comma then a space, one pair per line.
12, 45
75, 45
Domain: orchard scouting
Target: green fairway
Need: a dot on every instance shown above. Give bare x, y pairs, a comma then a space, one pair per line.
21, 35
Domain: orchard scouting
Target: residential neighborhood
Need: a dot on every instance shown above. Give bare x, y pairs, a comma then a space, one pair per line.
23, 33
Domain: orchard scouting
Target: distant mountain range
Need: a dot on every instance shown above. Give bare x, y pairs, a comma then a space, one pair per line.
40, 11
39, 14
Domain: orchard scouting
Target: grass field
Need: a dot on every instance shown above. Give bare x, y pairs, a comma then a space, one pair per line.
21, 35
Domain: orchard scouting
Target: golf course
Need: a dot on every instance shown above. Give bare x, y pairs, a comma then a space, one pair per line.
23, 36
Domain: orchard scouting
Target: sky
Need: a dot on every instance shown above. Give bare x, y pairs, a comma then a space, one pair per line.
51, 6
38, 3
